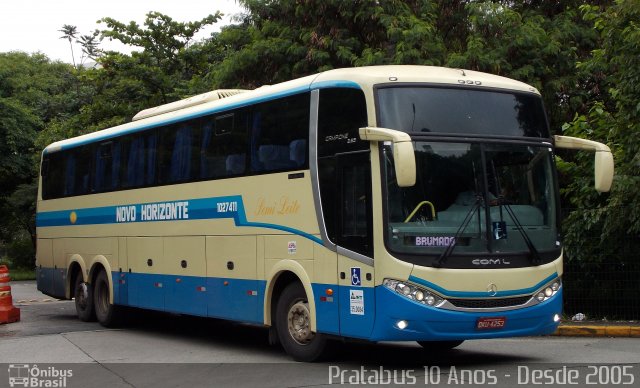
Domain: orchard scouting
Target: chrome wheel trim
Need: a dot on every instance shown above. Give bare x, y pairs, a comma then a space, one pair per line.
299, 323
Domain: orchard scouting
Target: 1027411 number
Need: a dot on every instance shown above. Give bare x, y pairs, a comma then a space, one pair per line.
226, 207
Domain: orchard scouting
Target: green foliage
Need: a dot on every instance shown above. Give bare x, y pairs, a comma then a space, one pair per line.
613, 118
292, 38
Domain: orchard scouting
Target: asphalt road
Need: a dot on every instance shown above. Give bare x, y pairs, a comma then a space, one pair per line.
158, 350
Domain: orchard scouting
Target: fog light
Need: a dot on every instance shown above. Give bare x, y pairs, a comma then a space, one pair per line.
402, 325
556, 318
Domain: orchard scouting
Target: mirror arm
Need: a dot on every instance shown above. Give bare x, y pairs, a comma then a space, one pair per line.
603, 163
576, 143
405, 165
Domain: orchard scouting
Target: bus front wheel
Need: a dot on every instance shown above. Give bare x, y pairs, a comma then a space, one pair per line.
293, 324
108, 314
83, 297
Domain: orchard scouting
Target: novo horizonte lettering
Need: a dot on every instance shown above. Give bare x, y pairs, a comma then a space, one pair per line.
163, 211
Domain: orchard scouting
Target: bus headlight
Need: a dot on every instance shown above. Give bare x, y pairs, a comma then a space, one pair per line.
413, 292
548, 291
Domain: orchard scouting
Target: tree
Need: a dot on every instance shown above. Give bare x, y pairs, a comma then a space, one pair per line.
614, 118
90, 46
287, 39
33, 91
70, 33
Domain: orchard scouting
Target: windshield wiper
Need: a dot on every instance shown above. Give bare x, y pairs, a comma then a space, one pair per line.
467, 218
534, 256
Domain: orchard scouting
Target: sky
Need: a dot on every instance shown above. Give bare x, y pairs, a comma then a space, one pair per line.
32, 25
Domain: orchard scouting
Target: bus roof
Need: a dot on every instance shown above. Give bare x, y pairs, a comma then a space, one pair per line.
364, 78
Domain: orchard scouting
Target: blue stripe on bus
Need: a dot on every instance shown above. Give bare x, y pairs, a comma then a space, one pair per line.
475, 294
240, 104
197, 209
193, 295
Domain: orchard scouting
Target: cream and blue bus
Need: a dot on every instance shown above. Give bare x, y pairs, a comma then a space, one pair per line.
387, 203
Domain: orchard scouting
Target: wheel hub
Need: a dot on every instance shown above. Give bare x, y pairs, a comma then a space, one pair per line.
299, 323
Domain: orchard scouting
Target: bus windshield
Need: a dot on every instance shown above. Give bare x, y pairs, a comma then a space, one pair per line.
461, 111
481, 198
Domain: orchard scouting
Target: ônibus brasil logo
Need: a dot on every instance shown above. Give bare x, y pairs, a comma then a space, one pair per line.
24, 375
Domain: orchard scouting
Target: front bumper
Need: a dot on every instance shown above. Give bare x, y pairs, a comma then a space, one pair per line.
424, 323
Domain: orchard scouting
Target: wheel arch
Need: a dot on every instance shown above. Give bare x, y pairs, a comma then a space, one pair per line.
100, 263
281, 275
76, 266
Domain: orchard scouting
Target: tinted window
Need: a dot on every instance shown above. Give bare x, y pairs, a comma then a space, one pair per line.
139, 159
53, 175
178, 151
342, 112
279, 134
223, 151
107, 166
210, 147
78, 171
463, 111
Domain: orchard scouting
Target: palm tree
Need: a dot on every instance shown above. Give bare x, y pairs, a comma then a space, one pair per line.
70, 33
90, 47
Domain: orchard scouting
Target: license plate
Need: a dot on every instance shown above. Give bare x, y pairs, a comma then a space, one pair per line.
491, 323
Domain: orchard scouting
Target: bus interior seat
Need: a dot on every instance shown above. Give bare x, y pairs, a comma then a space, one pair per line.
236, 164
213, 166
298, 152
274, 157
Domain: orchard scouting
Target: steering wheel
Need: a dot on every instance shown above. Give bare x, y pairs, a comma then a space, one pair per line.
421, 204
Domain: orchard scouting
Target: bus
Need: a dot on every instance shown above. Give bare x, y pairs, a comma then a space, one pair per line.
384, 203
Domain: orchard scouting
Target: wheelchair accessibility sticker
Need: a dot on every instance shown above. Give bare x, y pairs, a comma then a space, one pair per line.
356, 280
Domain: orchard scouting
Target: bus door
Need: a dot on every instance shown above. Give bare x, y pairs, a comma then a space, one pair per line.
354, 237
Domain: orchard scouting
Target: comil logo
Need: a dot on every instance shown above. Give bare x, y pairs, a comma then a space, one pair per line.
23, 375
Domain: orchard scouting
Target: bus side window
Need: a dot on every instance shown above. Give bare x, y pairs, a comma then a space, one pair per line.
53, 176
223, 150
133, 171
341, 113
70, 175
279, 134
107, 166
355, 217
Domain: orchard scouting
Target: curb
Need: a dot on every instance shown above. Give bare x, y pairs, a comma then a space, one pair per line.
597, 331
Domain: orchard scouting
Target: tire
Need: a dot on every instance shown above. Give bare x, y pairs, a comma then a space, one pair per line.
108, 314
440, 345
293, 324
83, 296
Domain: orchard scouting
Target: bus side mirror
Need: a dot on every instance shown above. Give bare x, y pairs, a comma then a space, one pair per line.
405, 161
603, 163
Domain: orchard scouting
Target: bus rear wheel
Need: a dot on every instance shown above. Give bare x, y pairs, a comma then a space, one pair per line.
293, 324
108, 314
440, 345
83, 297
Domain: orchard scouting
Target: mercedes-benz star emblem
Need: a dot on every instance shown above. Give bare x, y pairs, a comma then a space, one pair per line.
492, 289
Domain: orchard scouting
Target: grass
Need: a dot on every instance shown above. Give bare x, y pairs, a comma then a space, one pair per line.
22, 274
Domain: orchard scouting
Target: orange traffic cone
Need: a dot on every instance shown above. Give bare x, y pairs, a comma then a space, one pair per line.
8, 313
